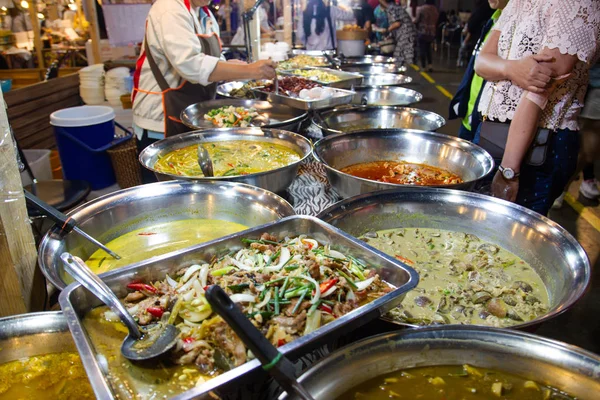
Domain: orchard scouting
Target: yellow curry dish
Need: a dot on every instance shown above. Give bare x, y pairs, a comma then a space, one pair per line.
144, 243
230, 158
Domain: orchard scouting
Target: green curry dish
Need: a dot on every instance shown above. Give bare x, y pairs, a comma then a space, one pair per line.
463, 279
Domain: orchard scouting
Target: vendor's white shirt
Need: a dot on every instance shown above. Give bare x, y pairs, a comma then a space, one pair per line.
171, 34
323, 41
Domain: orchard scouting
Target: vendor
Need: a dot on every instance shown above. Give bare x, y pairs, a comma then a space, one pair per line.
316, 28
179, 65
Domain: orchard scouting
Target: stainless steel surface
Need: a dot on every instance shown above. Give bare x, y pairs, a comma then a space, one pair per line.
346, 79
224, 90
276, 180
368, 60
204, 161
342, 96
379, 80
386, 96
461, 157
559, 365
556, 256
314, 53
113, 215
357, 118
76, 301
96, 243
280, 116
371, 69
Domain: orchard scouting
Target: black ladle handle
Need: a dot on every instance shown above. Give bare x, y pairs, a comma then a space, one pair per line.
272, 360
67, 224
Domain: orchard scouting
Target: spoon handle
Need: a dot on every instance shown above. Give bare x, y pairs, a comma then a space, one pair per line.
272, 360
78, 270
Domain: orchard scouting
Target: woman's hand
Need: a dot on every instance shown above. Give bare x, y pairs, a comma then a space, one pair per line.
263, 69
505, 189
529, 74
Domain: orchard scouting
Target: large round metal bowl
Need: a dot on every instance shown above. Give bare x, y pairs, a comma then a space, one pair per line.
369, 60
113, 215
370, 69
559, 365
461, 157
386, 96
379, 80
276, 180
551, 251
279, 116
359, 118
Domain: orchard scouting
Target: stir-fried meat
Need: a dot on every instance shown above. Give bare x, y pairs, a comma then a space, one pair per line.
224, 336
344, 308
263, 247
291, 324
289, 311
266, 236
314, 270
134, 297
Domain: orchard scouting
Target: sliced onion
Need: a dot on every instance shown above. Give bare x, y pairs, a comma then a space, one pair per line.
188, 296
350, 295
193, 316
284, 257
362, 285
337, 254
241, 265
313, 243
172, 282
317, 294
329, 292
113, 317
242, 298
189, 272
130, 310
265, 300
204, 275
198, 288
187, 286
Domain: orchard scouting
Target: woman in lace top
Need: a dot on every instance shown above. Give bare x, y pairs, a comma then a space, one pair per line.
536, 62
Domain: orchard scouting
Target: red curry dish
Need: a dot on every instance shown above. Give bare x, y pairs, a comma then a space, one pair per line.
403, 173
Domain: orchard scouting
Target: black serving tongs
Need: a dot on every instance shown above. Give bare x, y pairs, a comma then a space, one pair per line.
66, 223
275, 363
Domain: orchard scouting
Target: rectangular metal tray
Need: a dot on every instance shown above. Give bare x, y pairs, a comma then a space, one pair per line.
347, 79
76, 301
344, 97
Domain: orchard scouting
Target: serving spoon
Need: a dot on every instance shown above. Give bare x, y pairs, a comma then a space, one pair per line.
274, 362
141, 344
205, 162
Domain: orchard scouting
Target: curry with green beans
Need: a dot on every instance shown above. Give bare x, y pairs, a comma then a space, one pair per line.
229, 158
451, 382
462, 279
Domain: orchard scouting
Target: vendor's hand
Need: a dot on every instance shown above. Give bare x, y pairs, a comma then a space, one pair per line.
505, 189
263, 69
529, 74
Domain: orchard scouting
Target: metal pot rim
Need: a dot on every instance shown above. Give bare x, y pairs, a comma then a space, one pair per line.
223, 132
375, 197
449, 141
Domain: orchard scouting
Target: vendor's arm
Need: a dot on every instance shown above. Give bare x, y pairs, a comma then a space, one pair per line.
393, 26
227, 71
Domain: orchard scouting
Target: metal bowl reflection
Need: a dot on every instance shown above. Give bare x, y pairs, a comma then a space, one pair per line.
386, 96
369, 60
116, 214
370, 69
559, 365
461, 157
377, 80
359, 118
551, 251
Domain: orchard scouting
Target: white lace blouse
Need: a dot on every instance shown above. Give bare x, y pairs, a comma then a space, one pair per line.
526, 27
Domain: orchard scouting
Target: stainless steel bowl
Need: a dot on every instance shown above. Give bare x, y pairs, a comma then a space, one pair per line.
314, 53
386, 96
370, 69
459, 156
562, 366
279, 116
555, 255
276, 180
368, 60
379, 80
224, 90
360, 118
113, 215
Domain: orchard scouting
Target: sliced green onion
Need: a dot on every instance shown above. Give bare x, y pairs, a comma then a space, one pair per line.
300, 301
261, 241
275, 281
345, 275
238, 288
276, 301
222, 271
314, 307
356, 271
285, 283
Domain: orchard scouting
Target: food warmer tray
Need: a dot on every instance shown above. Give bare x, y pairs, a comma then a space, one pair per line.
342, 96
76, 301
347, 79
224, 90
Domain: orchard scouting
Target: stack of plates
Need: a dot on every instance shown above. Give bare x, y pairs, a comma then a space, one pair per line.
91, 84
117, 84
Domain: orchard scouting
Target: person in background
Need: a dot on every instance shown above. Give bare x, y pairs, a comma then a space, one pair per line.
402, 30
266, 29
472, 30
365, 16
426, 21
317, 25
180, 65
465, 101
381, 21
558, 41
20, 20
411, 7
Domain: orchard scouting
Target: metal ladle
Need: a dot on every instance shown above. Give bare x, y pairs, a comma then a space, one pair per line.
205, 162
142, 343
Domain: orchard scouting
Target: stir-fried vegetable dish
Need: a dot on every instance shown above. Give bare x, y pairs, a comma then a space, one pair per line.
452, 382
229, 116
462, 279
301, 61
403, 173
245, 92
51, 376
144, 243
230, 158
287, 288
317, 75
291, 85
